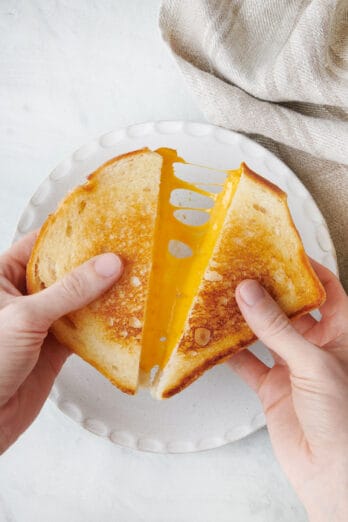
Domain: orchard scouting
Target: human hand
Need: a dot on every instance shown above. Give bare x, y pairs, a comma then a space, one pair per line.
305, 394
30, 357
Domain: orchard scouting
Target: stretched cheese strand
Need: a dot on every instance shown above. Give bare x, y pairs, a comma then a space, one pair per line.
174, 281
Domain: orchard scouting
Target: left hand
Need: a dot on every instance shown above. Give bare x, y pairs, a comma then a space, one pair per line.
30, 357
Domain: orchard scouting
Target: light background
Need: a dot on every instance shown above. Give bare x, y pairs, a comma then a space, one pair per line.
70, 71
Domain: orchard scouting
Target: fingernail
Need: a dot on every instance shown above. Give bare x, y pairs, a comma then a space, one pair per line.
251, 292
107, 265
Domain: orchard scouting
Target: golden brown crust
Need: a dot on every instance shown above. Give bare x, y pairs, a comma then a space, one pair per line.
31, 281
306, 265
133, 153
318, 287
203, 367
222, 357
262, 181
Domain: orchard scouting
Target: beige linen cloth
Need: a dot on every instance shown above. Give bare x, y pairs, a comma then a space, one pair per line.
276, 70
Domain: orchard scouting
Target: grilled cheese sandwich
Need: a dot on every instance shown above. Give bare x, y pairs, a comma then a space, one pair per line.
173, 312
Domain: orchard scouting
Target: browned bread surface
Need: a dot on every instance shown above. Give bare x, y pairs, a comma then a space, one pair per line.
114, 211
258, 241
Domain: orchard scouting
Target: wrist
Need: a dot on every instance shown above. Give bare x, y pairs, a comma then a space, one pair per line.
328, 500
334, 512
324, 493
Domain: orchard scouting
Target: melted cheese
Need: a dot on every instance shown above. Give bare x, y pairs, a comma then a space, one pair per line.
174, 281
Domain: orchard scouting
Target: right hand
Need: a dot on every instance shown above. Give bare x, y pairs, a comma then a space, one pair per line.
305, 394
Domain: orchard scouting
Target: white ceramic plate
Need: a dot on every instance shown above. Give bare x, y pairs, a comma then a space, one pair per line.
219, 407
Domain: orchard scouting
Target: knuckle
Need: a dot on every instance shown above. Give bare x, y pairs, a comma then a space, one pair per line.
276, 324
74, 286
22, 315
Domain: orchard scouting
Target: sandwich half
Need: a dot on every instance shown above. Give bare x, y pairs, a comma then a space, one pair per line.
114, 211
171, 316
252, 236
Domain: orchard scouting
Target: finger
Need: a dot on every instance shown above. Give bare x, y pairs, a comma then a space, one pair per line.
51, 359
14, 261
272, 326
283, 425
35, 389
304, 324
249, 368
336, 297
285, 432
55, 353
74, 291
324, 273
19, 350
334, 311
274, 390
21, 250
277, 359
52, 356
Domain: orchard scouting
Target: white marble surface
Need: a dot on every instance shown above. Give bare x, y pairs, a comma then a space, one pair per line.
70, 71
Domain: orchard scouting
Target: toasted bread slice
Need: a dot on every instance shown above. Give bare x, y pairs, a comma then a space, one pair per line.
258, 240
114, 211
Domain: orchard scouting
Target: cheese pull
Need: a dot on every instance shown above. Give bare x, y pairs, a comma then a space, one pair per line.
175, 278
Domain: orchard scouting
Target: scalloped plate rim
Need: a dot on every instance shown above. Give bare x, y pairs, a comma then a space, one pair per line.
172, 127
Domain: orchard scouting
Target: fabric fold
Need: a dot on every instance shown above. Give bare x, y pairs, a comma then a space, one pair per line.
278, 72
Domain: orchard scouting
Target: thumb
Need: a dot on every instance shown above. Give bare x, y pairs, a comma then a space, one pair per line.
272, 326
75, 290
